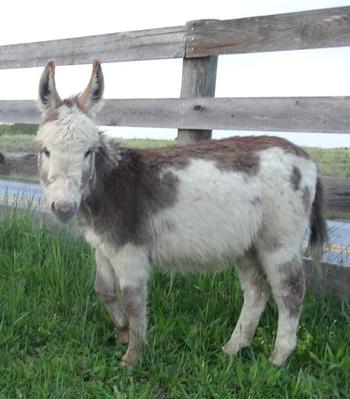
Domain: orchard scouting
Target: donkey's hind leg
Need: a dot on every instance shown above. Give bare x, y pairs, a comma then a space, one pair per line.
106, 287
287, 281
256, 293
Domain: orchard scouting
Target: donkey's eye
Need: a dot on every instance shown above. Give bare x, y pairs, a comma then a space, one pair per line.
46, 152
88, 152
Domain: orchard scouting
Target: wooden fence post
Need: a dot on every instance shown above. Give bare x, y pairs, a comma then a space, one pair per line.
198, 80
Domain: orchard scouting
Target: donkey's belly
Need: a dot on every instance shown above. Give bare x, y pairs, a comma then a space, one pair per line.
215, 219
201, 246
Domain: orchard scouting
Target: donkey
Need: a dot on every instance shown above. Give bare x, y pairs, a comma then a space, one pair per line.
185, 208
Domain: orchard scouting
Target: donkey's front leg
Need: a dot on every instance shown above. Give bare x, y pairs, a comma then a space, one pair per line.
135, 307
131, 266
107, 289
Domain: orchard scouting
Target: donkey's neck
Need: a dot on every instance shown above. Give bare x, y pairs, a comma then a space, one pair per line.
126, 190
114, 181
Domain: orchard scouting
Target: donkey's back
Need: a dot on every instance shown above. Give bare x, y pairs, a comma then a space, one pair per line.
232, 195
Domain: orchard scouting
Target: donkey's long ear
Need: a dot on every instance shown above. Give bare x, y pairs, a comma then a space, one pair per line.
90, 99
48, 96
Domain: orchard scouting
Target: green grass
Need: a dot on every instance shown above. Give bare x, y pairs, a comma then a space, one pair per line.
332, 161
25, 143
146, 143
57, 341
17, 143
18, 128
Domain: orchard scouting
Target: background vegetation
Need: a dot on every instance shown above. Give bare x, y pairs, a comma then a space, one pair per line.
19, 138
18, 128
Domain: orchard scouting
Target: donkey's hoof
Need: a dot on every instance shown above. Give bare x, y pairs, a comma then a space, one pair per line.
123, 335
130, 358
277, 360
232, 348
281, 354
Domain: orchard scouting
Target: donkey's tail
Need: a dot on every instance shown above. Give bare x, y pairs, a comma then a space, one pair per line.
318, 227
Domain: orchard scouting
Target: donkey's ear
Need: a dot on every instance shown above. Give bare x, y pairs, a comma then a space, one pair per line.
90, 99
48, 96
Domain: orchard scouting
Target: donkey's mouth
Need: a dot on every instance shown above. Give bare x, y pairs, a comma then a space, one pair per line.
64, 211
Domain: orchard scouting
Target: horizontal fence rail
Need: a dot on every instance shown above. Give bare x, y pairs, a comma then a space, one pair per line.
337, 195
297, 114
334, 280
293, 31
162, 43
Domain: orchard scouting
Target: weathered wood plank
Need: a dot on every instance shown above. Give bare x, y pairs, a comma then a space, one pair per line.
332, 280
198, 80
19, 111
19, 166
295, 114
301, 30
292, 31
308, 114
337, 195
125, 46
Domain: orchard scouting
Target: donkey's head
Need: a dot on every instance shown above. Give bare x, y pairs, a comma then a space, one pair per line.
67, 139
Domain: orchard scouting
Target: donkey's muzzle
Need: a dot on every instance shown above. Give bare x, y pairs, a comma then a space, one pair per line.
64, 211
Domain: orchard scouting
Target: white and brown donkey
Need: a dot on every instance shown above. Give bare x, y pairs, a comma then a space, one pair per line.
190, 208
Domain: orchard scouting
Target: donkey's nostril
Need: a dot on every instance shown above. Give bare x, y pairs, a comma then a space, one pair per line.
64, 210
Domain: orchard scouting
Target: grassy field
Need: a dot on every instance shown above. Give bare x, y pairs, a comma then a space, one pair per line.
57, 341
17, 143
332, 161
18, 128
25, 143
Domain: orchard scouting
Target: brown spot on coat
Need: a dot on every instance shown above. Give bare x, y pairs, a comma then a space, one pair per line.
102, 290
293, 286
234, 153
295, 178
125, 193
134, 301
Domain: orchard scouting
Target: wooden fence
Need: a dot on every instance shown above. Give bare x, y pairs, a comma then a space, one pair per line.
197, 112
199, 43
